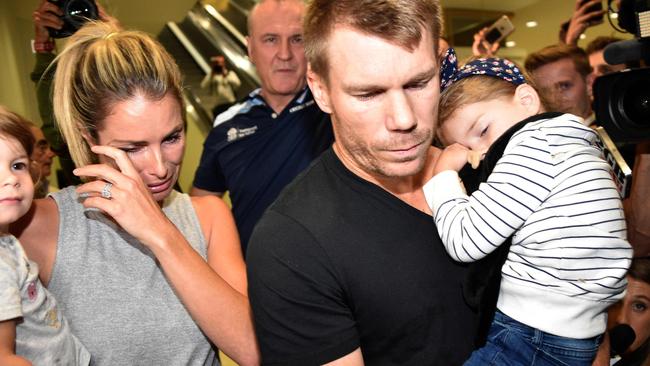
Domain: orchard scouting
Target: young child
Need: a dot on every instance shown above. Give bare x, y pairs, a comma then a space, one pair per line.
552, 193
32, 328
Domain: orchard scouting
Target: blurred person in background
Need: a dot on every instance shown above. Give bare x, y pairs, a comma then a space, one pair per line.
42, 158
563, 75
634, 310
222, 84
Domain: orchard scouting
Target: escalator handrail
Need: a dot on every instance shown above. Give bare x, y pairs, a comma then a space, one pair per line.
226, 24
182, 38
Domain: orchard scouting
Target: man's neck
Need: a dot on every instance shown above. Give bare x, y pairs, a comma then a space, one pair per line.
407, 189
277, 102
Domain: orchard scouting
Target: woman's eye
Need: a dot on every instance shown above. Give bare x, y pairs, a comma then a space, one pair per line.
129, 150
485, 130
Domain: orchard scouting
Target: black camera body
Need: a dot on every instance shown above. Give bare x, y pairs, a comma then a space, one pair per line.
75, 14
622, 99
622, 104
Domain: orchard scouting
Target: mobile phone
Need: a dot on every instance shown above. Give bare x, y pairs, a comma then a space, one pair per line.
499, 30
593, 9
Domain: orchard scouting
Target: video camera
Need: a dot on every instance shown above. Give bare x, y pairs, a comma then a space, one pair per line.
75, 14
622, 99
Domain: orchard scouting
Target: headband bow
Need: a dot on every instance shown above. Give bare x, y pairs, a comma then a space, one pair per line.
496, 67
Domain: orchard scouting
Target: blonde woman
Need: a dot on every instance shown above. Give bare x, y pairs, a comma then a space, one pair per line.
145, 274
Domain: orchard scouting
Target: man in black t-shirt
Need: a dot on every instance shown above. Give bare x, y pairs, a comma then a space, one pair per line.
346, 265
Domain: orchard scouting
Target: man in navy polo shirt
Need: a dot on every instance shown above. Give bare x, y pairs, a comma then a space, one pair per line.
259, 145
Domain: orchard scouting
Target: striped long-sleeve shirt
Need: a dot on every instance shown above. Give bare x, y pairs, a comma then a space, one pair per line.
552, 191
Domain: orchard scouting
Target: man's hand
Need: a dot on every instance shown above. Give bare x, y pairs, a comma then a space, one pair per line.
581, 20
481, 47
46, 16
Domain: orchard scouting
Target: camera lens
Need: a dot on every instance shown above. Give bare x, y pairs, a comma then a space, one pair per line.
80, 10
636, 103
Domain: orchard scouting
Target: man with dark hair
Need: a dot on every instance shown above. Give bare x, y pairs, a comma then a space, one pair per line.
595, 51
563, 75
346, 266
258, 146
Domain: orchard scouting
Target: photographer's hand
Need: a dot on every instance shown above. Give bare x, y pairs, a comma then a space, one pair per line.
46, 15
580, 20
481, 47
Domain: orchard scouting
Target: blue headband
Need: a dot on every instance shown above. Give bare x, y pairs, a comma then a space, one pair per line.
496, 67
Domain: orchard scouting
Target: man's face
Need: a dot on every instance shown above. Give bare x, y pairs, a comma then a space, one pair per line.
276, 47
564, 88
42, 155
600, 67
383, 100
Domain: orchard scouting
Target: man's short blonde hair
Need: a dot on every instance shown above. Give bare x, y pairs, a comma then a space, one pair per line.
397, 21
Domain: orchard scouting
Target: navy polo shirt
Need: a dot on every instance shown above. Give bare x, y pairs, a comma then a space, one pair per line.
253, 153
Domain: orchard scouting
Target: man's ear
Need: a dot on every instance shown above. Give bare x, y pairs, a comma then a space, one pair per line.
527, 96
319, 89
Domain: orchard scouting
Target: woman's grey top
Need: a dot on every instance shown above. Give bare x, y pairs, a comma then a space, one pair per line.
114, 293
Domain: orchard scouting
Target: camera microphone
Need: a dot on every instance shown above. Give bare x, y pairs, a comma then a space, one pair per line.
626, 51
620, 338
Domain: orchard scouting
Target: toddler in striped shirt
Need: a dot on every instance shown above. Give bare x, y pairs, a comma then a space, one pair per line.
551, 193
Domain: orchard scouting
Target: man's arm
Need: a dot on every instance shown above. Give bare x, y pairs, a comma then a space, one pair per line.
352, 359
202, 192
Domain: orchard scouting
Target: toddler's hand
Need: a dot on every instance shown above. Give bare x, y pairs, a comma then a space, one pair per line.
453, 157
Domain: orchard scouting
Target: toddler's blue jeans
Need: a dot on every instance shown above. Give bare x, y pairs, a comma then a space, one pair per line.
515, 344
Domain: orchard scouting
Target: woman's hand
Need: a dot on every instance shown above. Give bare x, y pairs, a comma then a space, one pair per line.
129, 202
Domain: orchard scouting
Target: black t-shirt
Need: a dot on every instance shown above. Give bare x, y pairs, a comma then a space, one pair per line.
338, 263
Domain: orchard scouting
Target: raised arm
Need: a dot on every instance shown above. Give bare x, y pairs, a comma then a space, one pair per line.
213, 293
472, 227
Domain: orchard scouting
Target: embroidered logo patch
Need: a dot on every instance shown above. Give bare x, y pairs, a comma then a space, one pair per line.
237, 133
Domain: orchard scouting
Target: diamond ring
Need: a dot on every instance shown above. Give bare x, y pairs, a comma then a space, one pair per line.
106, 191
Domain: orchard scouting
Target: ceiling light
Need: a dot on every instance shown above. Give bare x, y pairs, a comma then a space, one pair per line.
613, 15
511, 44
531, 24
583, 36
